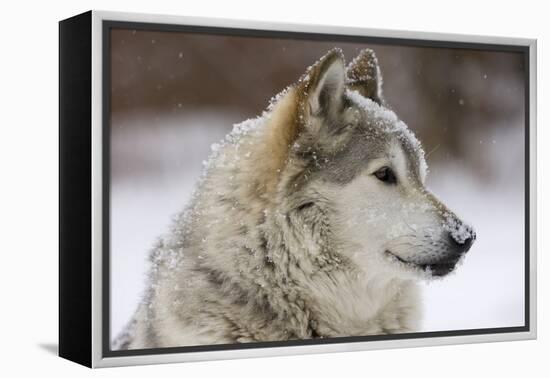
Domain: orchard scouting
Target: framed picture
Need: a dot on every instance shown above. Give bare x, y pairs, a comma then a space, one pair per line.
232, 189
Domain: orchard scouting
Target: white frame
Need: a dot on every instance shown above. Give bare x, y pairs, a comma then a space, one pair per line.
97, 358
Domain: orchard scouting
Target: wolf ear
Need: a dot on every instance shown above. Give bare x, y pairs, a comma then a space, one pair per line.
325, 84
364, 75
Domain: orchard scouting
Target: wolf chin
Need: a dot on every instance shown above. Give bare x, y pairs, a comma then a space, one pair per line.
310, 221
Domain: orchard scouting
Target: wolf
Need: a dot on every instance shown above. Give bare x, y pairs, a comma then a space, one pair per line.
311, 221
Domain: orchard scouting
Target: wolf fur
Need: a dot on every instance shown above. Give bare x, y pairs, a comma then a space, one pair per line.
309, 221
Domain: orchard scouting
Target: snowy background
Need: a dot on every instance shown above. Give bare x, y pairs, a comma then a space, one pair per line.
175, 94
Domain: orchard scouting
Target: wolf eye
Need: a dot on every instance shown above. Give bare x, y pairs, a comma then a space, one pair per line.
385, 174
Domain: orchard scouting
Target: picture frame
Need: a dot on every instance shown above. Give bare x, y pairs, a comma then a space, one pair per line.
86, 207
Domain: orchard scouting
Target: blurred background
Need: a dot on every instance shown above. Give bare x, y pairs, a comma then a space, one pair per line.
175, 93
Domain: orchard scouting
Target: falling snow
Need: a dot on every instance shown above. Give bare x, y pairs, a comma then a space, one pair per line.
142, 206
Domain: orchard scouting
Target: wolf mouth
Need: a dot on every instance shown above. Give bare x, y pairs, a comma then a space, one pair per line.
437, 269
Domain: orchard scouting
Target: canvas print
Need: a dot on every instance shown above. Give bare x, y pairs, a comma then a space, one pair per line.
275, 188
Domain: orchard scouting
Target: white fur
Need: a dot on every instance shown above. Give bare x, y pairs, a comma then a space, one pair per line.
265, 252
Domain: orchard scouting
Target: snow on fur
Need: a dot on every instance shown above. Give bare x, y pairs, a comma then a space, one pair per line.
390, 123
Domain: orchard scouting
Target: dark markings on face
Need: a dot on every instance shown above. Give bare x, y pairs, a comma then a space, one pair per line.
364, 142
412, 159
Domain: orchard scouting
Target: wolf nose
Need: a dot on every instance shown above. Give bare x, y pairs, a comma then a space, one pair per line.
462, 238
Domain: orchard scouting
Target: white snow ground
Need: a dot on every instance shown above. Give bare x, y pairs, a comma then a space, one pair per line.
155, 169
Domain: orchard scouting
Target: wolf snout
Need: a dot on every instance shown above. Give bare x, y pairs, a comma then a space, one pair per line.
462, 237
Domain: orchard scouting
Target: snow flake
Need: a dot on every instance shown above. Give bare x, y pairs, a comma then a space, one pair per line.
458, 230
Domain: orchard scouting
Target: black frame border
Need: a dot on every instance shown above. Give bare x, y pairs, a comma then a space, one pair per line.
108, 25
75, 189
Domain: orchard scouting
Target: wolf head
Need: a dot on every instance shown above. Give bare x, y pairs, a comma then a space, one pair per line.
348, 162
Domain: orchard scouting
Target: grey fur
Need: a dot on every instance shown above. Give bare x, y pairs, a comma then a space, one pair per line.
262, 253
